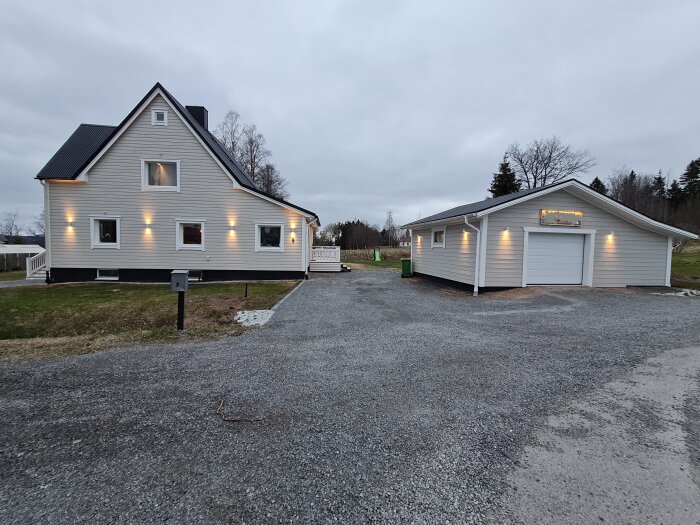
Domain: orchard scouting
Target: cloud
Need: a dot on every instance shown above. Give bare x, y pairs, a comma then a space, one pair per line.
366, 106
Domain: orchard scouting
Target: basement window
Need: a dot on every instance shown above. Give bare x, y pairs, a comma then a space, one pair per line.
438, 238
159, 117
107, 274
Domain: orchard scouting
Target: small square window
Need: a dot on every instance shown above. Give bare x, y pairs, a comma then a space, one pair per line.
105, 232
104, 274
269, 237
190, 235
159, 117
161, 175
438, 238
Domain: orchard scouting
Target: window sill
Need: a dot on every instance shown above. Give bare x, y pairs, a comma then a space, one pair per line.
192, 248
161, 188
104, 247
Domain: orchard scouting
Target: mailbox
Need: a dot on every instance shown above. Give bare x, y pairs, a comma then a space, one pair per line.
178, 280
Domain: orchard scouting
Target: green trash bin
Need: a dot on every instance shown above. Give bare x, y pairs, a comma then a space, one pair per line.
377, 255
405, 267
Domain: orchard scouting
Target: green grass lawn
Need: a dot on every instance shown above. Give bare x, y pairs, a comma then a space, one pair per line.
65, 319
13, 276
685, 270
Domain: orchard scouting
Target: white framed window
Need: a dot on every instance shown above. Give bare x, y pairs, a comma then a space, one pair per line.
107, 274
105, 231
190, 234
160, 175
437, 238
269, 237
159, 117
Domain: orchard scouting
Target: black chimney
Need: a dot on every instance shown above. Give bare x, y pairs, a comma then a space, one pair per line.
200, 114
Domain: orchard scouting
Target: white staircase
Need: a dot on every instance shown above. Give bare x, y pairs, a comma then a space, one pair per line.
36, 266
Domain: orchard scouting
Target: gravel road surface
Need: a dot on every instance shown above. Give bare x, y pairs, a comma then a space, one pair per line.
367, 397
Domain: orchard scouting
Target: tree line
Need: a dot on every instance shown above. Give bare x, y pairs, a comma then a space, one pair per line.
12, 229
546, 161
246, 144
359, 234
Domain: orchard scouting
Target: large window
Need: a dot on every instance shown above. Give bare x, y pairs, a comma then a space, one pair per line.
438, 238
160, 175
105, 232
190, 235
269, 237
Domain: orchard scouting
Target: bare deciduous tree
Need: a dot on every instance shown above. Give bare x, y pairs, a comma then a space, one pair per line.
247, 146
254, 154
38, 226
391, 230
230, 132
10, 226
545, 161
271, 182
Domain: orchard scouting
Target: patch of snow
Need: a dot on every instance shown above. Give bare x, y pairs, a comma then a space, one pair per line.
253, 317
683, 293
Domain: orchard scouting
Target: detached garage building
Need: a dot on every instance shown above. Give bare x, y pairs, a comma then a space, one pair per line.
561, 234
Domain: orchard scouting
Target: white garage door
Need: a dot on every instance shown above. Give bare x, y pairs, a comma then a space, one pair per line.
554, 258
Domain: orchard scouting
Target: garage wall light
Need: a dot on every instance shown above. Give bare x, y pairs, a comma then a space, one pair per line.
506, 229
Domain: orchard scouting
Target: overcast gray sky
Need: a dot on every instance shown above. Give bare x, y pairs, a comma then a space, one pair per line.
367, 106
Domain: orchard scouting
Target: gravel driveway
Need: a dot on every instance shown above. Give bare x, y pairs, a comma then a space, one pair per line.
366, 398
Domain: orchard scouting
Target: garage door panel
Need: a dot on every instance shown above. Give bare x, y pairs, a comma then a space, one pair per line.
555, 258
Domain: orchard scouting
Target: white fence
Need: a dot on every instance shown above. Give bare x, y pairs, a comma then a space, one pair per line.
325, 254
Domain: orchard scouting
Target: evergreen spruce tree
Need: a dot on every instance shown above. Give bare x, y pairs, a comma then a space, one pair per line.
505, 181
690, 180
675, 194
658, 186
598, 186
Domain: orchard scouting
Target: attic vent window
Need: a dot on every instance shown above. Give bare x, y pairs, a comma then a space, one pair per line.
159, 117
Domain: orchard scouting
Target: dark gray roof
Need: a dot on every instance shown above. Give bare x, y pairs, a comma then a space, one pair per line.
88, 140
476, 207
80, 146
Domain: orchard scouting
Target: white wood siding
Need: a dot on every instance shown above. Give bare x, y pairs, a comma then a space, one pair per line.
634, 256
455, 261
206, 192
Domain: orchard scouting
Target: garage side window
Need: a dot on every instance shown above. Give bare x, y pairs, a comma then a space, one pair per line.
438, 238
269, 237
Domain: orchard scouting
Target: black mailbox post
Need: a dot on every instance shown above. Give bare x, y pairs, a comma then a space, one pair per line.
179, 279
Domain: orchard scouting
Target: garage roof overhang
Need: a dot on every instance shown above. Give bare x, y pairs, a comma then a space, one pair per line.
576, 188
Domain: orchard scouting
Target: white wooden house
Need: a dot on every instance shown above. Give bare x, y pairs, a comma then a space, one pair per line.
159, 192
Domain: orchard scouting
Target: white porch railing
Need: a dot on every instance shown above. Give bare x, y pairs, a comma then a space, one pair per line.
325, 254
36, 264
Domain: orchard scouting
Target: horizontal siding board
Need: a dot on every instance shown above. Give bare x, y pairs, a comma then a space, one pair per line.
635, 257
206, 192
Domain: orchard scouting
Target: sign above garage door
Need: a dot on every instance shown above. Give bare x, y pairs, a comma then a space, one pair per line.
561, 217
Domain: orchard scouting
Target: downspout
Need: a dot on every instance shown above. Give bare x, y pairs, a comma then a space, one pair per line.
309, 245
476, 263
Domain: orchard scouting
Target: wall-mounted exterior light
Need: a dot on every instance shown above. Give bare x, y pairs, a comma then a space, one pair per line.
506, 229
